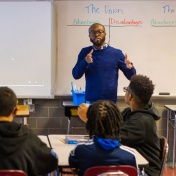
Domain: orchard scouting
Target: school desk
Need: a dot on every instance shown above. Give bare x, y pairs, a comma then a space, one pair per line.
171, 116
22, 112
63, 150
70, 111
44, 139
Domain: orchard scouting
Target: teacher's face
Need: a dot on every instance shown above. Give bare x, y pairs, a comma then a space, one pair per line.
97, 35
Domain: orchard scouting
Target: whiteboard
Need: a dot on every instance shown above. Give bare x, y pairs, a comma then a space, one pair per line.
26, 48
145, 30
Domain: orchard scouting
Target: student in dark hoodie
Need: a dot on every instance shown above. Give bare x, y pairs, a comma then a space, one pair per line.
20, 148
104, 148
139, 129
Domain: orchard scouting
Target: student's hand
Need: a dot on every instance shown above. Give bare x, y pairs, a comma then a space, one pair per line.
88, 58
82, 111
128, 63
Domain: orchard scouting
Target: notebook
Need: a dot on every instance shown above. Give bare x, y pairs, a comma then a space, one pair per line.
74, 139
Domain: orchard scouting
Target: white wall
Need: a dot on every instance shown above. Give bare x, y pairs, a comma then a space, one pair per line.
150, 45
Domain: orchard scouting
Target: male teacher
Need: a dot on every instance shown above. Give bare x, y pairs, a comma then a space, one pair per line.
100, 63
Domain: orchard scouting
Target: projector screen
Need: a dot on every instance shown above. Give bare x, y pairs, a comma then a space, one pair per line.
26, 48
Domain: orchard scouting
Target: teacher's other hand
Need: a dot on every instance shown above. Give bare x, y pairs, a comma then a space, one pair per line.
128, 63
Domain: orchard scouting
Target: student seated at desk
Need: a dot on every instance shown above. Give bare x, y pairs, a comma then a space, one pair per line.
103, 148
139, 128
20, 148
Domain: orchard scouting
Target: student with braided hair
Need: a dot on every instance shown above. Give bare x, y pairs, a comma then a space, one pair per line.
104, 148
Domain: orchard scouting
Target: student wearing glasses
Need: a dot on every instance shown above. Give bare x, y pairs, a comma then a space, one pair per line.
100, 63
139, 128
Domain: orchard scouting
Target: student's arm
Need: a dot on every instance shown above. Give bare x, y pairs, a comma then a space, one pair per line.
73, 159
46, 159
133, 132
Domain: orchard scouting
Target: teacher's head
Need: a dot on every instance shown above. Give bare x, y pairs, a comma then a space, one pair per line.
104, 120
97, 34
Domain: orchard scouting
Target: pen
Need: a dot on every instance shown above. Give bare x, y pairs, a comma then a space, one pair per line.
62, 140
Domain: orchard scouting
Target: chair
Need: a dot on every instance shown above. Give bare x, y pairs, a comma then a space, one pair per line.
118, 173
12, 173
164, 152
66, 171
121, 170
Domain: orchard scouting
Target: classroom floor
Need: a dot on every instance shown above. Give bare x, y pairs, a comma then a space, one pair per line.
168, 171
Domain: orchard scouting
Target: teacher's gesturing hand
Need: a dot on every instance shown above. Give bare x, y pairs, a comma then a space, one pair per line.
89, 57
128, 63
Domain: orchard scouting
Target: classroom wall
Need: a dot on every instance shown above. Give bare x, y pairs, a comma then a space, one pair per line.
46, 37
49, 118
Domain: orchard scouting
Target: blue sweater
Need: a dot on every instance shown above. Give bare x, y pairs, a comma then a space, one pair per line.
86, 155
101, 75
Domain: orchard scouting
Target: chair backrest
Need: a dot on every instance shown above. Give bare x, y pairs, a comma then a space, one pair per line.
12, 173
164, 152
121, 170
118, 173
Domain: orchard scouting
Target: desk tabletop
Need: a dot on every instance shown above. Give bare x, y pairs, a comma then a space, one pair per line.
170, 107
63, 151
22, 111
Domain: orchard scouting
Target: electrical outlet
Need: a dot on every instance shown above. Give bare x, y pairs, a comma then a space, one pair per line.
30, 105
27, 101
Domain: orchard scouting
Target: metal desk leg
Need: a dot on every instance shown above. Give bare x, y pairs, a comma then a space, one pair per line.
23, 120
68, 126
173, 166
167, 130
